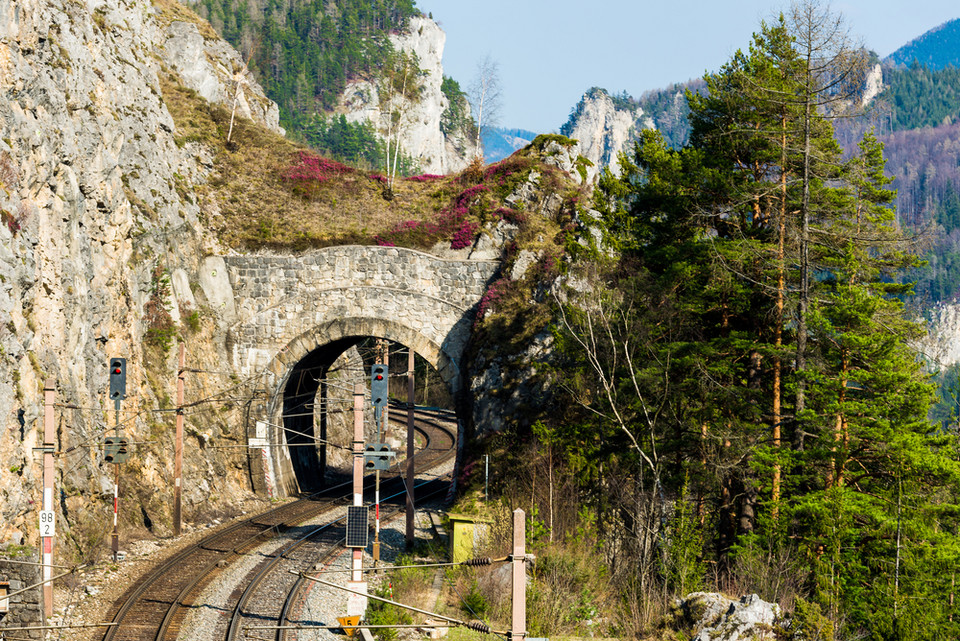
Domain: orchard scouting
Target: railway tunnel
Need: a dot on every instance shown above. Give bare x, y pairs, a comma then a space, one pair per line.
289, 317
318, 400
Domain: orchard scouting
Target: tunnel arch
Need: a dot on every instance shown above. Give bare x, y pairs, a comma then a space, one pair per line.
293, 468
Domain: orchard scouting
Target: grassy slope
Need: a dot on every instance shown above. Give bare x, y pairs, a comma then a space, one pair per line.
249, 204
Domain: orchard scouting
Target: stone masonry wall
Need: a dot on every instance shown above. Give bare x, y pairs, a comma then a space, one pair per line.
278, 298
25, 609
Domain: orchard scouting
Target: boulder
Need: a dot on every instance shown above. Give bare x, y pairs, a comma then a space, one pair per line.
719, 618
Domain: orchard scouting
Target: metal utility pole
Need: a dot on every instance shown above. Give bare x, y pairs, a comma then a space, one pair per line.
118, 391
178, 443
379, 396
410, 438
115, 535
47, 526
518, 621
385, 413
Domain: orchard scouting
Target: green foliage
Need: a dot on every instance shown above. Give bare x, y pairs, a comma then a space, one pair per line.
542, 140
380, 613
14, 551
566, 592
474, 603
920, 96
807, 622
456, 117
353, 143
304, 53
747, 354
937, 48
683, 568
161, 329
191, 319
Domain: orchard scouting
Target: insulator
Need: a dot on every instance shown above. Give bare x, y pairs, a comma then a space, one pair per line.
483, 560
479, 626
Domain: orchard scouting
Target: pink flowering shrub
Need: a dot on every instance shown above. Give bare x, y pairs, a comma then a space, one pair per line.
494, 294
451, 222
422, 178
463, 237
310, 171
379, 178
11, 221
510, 215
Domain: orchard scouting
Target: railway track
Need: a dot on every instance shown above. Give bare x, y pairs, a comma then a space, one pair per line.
155, 606
259, 602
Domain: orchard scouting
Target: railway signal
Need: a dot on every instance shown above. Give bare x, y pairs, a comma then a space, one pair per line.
378, 384
115, 449
118, 378
118, 446
378, 456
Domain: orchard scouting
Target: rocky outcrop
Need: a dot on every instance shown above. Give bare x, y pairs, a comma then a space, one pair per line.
604, 128
95, 202
419, 124
941, 345
873, 85
715, 617
215, 70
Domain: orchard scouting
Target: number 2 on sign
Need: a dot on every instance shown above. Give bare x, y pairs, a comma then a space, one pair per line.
46, 523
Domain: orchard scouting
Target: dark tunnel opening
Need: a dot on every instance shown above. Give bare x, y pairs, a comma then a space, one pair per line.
299, 395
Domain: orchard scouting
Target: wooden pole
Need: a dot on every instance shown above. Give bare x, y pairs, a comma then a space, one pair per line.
49, 393
178, 443
410, 447
518, 622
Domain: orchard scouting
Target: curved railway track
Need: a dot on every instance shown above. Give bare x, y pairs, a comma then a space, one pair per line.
154, 607
259, 602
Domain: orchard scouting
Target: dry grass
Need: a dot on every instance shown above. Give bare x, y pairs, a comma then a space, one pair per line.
172, 11
249, 205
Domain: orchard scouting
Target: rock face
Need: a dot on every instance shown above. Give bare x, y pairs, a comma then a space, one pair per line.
419, 125
873, 85
719, 618
603, 129
215, 70
90, 165
941, 346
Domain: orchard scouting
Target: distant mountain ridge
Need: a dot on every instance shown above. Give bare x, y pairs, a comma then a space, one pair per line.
936, 49
498, 142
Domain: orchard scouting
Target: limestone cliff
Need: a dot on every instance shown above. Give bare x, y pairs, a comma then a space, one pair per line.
421, 135
604, 128
95, 193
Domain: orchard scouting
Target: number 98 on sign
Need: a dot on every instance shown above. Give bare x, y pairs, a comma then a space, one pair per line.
47, 527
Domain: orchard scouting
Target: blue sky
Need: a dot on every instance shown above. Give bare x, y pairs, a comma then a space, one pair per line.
551, 51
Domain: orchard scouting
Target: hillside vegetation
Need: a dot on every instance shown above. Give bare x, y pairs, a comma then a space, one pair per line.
938, 48
266, 191
303, 52
732, 401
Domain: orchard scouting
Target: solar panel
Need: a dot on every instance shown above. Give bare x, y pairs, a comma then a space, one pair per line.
357, 526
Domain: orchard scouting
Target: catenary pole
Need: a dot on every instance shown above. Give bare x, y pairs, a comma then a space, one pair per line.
410, 443
518, 621
357, 606
49, 393
178, 443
